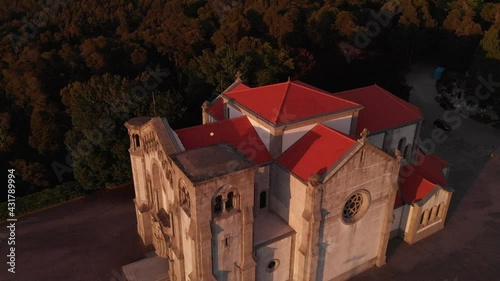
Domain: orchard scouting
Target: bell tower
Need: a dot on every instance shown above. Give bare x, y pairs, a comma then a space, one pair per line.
221, 211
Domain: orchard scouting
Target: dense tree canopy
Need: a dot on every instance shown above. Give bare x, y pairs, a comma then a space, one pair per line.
67, 66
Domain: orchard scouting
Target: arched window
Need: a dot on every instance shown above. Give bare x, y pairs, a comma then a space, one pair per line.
424, 218
218, 204
230, 201
407, 152
440, 211
137, 142
263, 199
401, 144
433, 213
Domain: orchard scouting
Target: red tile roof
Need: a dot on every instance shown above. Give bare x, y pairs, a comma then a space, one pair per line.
237, 131
416, 181
289, 101
382, 110
216, 107
317, 151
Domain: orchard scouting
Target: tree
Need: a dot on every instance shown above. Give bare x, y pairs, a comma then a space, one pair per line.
490, 43
6, 137
98, 149
460, 19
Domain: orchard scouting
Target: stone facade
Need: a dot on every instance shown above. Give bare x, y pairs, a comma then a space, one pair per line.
216, 215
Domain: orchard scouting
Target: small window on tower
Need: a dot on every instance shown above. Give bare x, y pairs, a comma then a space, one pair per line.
218, 204
230, 201
227, 241
137, 141
263, 199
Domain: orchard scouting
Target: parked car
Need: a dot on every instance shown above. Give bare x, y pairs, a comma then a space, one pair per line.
442, 124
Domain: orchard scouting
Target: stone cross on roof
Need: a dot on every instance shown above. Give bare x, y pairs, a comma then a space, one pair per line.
238, 76
363, 135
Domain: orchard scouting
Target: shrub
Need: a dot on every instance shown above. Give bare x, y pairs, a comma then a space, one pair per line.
43, 199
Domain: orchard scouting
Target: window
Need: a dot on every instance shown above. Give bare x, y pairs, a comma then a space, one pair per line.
355, 206
425, 218
401, 144
227, 240
230, 201
263, 199
433, 213
218, 204
407, 152
272, 265
137, 142
440, 211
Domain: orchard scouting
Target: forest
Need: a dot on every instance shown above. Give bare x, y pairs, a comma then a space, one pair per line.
74, 71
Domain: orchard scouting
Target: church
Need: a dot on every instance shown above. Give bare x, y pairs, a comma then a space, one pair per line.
285, 182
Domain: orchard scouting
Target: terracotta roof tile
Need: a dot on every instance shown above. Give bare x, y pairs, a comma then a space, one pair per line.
237, 131
216, 107
382, 110
416, 181
289, 101
316, 151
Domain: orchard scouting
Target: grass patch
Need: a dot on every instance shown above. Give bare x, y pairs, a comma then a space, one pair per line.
43, 199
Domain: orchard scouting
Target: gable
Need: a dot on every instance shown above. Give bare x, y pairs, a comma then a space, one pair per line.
317, 151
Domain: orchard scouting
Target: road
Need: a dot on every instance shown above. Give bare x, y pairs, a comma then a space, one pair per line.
468, 248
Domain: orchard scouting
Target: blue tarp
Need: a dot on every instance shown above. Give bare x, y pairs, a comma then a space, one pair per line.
438, 72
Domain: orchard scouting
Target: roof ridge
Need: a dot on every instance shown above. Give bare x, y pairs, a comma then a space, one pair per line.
283, 101
213, 124
319, 91
400, 101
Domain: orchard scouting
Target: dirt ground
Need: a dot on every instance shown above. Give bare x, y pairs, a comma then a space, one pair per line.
468, 248
87, 239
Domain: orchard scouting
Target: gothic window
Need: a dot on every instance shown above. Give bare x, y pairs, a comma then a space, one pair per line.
218, 204
355, 206
230, 201
263, 199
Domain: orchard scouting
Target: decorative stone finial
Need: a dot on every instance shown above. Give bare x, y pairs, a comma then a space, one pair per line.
314, 180
398, 155
205, 105
363, 135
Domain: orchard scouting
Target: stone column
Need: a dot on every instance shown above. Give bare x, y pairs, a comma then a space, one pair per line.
310, 239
